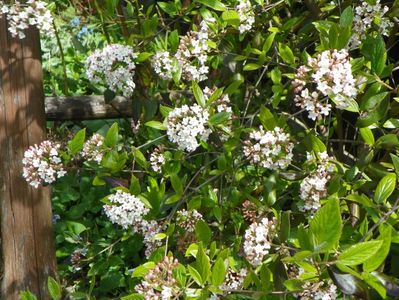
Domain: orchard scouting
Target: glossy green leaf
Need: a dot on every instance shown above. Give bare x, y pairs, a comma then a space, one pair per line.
385, 188
359, 253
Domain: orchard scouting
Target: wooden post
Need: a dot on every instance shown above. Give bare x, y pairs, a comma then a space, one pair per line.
26, 227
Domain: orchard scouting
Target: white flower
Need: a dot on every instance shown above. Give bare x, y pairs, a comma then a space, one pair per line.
125, 209
157, 160
42, 164
257, 240
328, 76
269, 149
92, 149
192, 54
234, 280
114, 65
186, 125
32, 13
365, 15
314, 187
246, 14
163, 65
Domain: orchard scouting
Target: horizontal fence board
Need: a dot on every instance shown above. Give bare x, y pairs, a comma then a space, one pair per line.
86, 108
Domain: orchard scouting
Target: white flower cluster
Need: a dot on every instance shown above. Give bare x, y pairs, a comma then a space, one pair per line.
365, 16
246, 14
329, 75
32, 13
164, 65
314, 187
42, 164
318, 291
115, 66
188, 219
269, 149
192, 54
125, 209
257, 240
157, 160
159, 282
234, 280
92, 149
186, 125
222, 104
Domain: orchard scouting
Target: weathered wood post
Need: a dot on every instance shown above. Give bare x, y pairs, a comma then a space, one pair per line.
26, 227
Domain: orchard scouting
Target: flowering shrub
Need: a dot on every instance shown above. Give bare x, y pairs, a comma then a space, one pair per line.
260, 161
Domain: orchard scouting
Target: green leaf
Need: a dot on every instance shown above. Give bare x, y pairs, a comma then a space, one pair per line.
112, 135
395, 161
76, 144
75, 227
202, 264
367, 135
140, 158
143, 269
27, 295
251, 67
134, 188
133, 297
374, 262
346, 18
198, 94
218, 272
214, 4
54, 288
387, 141
195, 275
359, 253
155, 125
231, 17
219, 118
361, 199
266, 118
374, 50
385, 188
326, 226
268, 42
203, 232
176, 184
286, 53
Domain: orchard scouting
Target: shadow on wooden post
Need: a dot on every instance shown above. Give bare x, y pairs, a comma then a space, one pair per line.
26, 227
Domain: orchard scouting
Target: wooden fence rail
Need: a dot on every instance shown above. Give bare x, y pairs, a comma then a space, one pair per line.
86, 108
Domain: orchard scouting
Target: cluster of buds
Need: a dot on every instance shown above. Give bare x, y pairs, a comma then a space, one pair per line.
365, 16
258, 239
159, 283
320, 290
186, 125
328, 76
42, 164
269, 149
157, 159
93, 148
76, 258
314, 187
32, 13
246, 14
192, 54
148, 229
188, 219
114, 65
234, 280
249, 211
